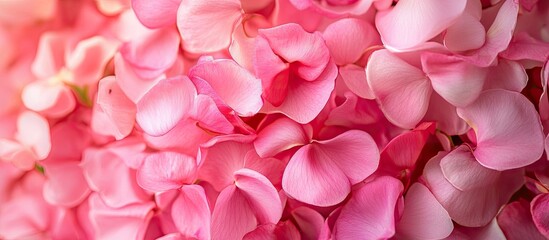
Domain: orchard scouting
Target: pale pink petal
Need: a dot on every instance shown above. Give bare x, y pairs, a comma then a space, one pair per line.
191, 213
458, 82
152, 53
185, 137
355, 78
50, 55
508, 75
207, 26
498, 35
232, 216
271, 168
479, 205
280, 135
51, 99
508, 129
466, 34
354, 152
413, 22
133, 86
33, 131
260, 194
313, 178
423, 216
445, 115
540, 213
462, 170
66, 185
165, 105
97, 164
128, 222
112, 7
234, 85
402, 90
348, 38
309, 221
156, 14
17, 154
163, 171
88, 60
119, 109
222, 158
515, 220
367, 217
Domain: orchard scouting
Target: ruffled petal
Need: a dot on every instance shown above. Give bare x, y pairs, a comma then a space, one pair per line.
166, 170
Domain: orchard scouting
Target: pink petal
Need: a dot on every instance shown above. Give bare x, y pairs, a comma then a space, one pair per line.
17, 154
128, 222
523, 46
166, 170
354, 152
33, 131
413, 22
508, 75
97, 164
271, 168
207, 26
282, 230
367, 217
152, 53
156, 14
119, 109
350, 157
498, 35
54, 100
309, 221
355, 78
402, 90
515, 220
208, 115
165, 105
445, 115
50, 55
508, 129
260, 194
232, 217
466, 34
456, 81
89, 59
348, 39
191, 213
237, 87
222, 158
539, 207
177, 139
131, 84
66, 185
315, 179
280, 135
423, 216
462, 170
479, 205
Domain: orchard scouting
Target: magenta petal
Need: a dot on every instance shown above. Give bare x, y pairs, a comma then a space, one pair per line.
207, 26
165, 105
367, 217
540, 213
413, 22
280, 135
508, 129
234, 85
423, 216
191, 213
156, 14
309, 221
402, 90
166, 170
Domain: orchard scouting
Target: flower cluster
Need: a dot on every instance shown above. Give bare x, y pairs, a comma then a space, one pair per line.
274, 119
